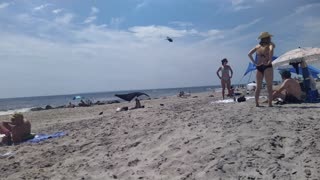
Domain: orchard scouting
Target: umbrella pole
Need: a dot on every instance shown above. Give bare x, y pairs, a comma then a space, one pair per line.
249, 77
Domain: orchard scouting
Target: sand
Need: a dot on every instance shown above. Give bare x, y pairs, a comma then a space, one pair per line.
186, 138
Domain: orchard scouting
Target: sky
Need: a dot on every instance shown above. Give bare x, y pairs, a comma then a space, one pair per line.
50, 47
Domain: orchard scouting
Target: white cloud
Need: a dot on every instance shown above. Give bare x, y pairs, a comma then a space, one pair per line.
237, 2
94, 10
142, 4
238, 5
157, 31
116, 21
90, 19
181, 23
57, 11
65, 19
4, 5
306, 7
242, 27
76, 54
38, 8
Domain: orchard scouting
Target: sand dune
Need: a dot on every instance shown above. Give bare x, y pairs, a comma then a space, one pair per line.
189, 138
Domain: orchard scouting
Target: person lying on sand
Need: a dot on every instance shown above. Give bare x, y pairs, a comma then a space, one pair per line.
16, 131
289, 91
70, 105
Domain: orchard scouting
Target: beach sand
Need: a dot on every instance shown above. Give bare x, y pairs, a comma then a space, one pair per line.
186, 138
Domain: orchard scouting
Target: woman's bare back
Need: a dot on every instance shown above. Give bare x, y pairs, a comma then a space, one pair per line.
263, 54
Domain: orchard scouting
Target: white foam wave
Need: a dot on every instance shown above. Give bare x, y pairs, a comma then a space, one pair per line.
23, 110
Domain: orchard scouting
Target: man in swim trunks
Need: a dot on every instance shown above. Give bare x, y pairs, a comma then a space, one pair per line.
226, 75
289, 90
16, 131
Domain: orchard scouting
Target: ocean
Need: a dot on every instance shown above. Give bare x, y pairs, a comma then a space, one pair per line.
24, 104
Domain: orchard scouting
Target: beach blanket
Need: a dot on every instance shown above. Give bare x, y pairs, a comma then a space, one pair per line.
42, 137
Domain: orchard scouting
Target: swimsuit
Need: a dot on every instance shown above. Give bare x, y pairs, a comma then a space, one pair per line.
225, 73
263, 67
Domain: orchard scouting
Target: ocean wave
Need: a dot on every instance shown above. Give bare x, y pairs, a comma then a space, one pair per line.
23, 110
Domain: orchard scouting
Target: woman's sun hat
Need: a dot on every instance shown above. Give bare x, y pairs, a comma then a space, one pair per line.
264, 35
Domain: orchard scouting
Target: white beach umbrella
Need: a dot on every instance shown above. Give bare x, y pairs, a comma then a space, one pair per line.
310, 55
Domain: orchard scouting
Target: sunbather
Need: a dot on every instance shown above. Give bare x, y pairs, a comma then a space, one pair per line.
289, 91
16, 131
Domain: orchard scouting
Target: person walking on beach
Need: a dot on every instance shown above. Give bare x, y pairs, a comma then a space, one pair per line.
264, 51
226, 75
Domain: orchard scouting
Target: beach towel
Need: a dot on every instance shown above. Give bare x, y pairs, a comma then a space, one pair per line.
232, 100
42, 137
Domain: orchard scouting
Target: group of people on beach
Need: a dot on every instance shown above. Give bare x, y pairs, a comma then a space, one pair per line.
289, 90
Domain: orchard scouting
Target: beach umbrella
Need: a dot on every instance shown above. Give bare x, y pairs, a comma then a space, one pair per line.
313, 70
310, 55
76, 97
130, 96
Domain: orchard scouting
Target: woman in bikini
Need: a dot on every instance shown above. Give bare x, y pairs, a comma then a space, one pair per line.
225, 76
264, 52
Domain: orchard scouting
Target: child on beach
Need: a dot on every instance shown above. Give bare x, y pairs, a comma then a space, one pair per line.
226, 75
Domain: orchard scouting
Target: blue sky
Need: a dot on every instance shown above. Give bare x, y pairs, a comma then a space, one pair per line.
61, 47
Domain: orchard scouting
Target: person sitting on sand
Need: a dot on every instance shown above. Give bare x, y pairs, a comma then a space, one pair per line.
16, 131
70, 105
289, 91
226, 75
138, 104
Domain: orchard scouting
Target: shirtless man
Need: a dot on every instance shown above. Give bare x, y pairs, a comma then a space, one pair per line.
16, 131
290, 90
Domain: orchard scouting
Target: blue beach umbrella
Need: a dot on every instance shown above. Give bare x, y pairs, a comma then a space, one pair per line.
77, 97
252, 67
313, 71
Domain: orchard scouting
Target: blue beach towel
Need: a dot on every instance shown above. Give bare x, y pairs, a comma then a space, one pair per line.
42, 137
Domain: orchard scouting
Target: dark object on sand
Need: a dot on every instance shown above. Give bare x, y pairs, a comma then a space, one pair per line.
169, 39
48, 107
241, 99
85, 104
138, 104
130, 96
100, 113
99, 103
161, 104
112, 102
37, 109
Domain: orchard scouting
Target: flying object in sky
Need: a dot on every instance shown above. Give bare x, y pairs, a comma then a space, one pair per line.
169, 39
